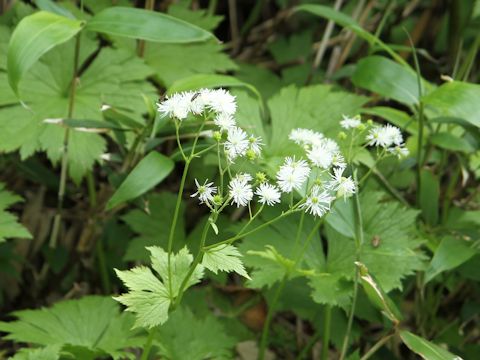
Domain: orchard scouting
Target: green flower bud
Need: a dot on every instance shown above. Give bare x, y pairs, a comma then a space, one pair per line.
217, 135
251, 155
260, 177
217, 200
342, 135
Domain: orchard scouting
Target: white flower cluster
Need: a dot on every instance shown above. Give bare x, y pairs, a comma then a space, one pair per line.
222, 106
388, 137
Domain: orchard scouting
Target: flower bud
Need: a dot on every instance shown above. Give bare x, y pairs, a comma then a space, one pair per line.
217, 135
217, 200
260, 177
251, 155
342, 135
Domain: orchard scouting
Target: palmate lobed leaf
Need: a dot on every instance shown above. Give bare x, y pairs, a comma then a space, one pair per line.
224, 258
9, 225
149, 296
93, 323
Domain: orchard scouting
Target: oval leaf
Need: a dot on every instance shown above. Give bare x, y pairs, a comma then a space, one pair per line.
149, 172
33, 37
426, 349
146, 25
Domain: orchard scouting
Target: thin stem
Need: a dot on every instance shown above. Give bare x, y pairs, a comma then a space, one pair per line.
376, 347
196, 261
268, 320
300, 227
326, 332
149, 5
148, 345
64, 164
359, 240
179, 144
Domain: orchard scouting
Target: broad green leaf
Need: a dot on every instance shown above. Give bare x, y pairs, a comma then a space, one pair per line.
305, 108
146, 25
9, 225
149, 172
429, 196
51, 6
448, 141
451, 253
152, 225
346, 21
199, 81
148, 298
397, 117
330, 289
93, 323
455, 99
46, 353
426, 349
186, 336
387, 78
391, 245
376, 294
33, 37
224, 258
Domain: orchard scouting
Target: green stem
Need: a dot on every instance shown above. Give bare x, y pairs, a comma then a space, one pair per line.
268, 320
148, 345
196, 261
376, 347
326, 332
64, 165
102, 264
149, 5
359, 240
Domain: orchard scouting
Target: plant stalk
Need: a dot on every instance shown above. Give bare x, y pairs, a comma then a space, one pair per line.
326, 332
148, 345
64, 165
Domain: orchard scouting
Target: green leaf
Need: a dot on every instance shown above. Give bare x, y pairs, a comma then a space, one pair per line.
149, 172
146, 25
224, 258
451, 142
391, 246
33, 37
9, 225
199, 81
185, 336
46, 353
93, 323
150, 226
426, 349
149, 297
455, 99
51, 6
305, 108
387, 78
429, 196
451, 253
397, 117
376, 294
199, 17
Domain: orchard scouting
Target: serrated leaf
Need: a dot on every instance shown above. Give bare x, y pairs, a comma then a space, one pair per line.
34, 36
93, 323
46, 353
224, 258
330, 289
391, 247
148, 297
426, 349
305, 108
185, 336
9, 225
148, 173
198, 17
146, 25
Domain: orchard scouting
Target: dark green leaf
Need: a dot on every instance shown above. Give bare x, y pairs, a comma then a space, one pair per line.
146, 25
53, 7
152, 169
429, 196
33, 37
451, 142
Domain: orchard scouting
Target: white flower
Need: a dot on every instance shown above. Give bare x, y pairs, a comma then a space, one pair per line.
400, 151
292, 174
199, 100
305, 137
255, 144
350, 123
240, 190
344, 186
224, 121
204, 192
338, 160
330, 145
268, 194
320, 156
176, 106
236, 144
384, 136
221, 101
318, 202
